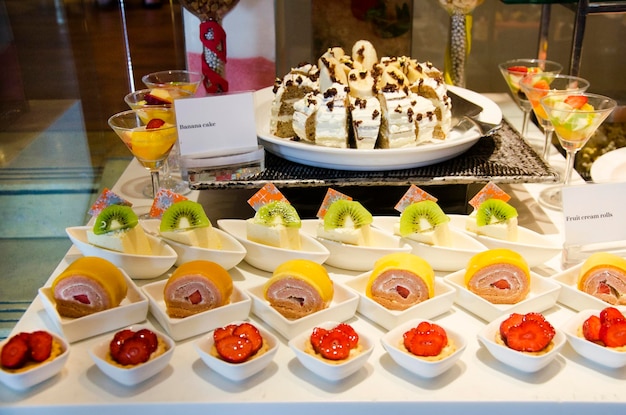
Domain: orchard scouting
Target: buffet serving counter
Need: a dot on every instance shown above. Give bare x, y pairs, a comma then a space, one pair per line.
477, 384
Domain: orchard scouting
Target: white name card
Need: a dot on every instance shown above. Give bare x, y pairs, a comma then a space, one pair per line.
594, 213
216, 125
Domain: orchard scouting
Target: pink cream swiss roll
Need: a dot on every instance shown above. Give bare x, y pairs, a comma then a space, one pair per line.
603, 275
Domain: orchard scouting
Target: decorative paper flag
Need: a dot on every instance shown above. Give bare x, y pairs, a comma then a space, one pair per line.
163, 200
331, 196
107, 198
490, 191
413, 195
268, 193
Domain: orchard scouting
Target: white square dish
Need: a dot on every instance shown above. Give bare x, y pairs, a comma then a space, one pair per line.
22, 380
439, 304
524, 362
267, 258
237, 371
137, 374
574, 298
332, 371
133, 309
353, 257
342, 307
543, 295
183, 328
393, 340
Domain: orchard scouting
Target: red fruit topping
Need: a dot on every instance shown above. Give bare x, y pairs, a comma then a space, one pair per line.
150, 337
195, 297
335, 345
521, 69
251, 333
154, 123
402, 291
222, 332
613, 333
576, 101
15, 353
529, 332
40, 345
427, 339
591, 328
316, 338
350, 332
234, 349
502, 284
82, 298
133, 351
118, 339
610, 314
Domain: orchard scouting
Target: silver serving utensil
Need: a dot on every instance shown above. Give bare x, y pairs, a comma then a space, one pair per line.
464, 111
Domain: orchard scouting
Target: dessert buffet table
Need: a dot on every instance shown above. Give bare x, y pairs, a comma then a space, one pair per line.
477, 384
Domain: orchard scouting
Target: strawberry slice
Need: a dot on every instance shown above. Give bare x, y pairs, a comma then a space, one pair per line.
513, 320
610, 314
335, 345
150, 337
613, 333
133, 351
154, 124
251, 333
591, 328
576, 101
15, 352
234, 349
222, 332
350, 332
316, 338
528, 336
40, 345
425, 340
118, 339
520, 69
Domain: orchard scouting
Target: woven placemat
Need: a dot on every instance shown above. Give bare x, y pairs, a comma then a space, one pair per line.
503, 157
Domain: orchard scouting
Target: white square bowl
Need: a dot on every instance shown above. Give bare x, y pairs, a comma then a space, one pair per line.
267, 258
353, 257
441, 258
332, 371
542, 296
574, 298
139, 267
524, 362
24, 379
439, 304
393, 343
342, 307
137, 374
183, 328
133, 309
237, 371
231, 253
596, 353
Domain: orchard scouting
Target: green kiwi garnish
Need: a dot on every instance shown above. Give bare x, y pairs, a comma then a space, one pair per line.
278, 212
186, 214
113, 218
342, 211
421, 216
494, 211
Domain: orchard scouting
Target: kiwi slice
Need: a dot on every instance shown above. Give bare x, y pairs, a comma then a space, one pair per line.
341, 211
113, 218
184, 215
278, 212
421, 216
494, 211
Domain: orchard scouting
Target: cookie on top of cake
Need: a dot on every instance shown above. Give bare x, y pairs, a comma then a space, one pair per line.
359, 101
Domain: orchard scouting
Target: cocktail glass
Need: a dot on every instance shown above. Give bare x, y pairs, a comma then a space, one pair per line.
183, 79
538, 85
148, 136
514, 70
575, 117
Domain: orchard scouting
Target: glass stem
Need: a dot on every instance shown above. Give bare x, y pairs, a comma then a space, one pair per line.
155, 182
546, 146
525, 120
569, 166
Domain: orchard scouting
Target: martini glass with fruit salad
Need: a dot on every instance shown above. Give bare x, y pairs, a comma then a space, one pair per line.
575, 117
149, 133
537, 86
514, 70
187, 80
